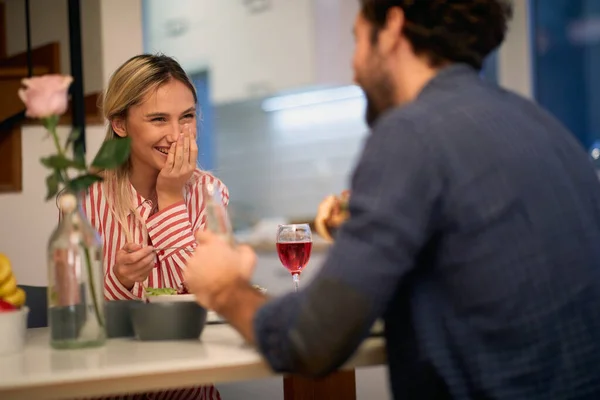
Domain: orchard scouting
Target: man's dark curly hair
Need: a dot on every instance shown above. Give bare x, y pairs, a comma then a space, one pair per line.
446, 30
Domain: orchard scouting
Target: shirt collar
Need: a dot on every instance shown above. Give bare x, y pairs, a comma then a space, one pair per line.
449, 76
141, 204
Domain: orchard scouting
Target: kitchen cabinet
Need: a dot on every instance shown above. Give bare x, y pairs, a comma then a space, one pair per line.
255, 48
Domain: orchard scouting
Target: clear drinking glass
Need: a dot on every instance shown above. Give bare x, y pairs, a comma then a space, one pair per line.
217, 219
294, 244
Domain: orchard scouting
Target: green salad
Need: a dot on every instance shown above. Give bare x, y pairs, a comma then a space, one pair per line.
160, 291
173, 291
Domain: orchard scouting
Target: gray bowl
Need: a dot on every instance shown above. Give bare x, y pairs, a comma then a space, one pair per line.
168, 321
118, 318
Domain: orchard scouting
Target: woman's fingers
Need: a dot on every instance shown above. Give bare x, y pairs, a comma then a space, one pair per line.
142, 268
136, 256
170, 164
186, 146
193, 154
179, 154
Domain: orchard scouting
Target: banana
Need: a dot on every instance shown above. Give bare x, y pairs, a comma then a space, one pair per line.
9, 291
8, 287
17, 298
5, 269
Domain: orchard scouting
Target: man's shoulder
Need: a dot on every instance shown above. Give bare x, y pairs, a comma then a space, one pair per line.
417, 117
462, 112
398, 126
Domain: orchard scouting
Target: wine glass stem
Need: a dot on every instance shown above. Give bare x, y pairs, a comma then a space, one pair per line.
296, 278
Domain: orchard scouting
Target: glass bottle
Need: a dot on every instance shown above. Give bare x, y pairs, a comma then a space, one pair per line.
75, 280
217, 219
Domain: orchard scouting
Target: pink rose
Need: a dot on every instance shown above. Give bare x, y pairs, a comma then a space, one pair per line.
46, 95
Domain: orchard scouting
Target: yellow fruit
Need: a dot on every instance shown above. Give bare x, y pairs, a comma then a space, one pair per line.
8, 287
17, 298
5, 269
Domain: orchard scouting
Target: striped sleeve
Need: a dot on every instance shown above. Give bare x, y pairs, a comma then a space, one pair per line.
173, 228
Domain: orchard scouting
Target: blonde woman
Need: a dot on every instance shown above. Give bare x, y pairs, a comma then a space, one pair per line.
154, 201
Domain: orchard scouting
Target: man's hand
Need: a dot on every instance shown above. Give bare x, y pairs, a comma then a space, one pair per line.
219, 276
133, 264
216, 270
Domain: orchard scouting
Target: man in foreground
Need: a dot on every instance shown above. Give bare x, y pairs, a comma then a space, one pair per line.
474, 229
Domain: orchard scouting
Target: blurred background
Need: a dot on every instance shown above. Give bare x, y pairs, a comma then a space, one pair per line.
281, 124
281, 121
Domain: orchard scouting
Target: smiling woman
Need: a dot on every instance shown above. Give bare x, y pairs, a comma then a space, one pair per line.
154, 201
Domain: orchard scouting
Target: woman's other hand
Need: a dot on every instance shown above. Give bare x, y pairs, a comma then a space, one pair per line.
133, 264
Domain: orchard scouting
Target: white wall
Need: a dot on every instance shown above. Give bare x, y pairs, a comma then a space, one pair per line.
515, 71
334, 43
247, 54
121, 33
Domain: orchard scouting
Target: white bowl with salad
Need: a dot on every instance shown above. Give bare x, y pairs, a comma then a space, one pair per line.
164, 295
167, 295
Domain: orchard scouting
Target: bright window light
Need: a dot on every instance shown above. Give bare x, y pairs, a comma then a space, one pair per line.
311, 98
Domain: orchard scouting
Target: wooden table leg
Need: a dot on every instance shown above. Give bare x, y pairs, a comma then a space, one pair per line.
340, 385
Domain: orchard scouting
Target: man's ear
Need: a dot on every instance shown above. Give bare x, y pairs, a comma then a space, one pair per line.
118, 125
390, 34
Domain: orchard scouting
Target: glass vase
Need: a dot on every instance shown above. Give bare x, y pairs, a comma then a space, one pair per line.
75, 280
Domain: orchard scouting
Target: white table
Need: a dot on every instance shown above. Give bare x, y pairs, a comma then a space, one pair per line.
127, 365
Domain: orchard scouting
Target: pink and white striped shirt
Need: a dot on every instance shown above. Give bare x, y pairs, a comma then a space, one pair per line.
172, 227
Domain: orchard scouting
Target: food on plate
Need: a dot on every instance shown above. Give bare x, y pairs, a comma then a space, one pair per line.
331, 214
12, 297
160, 291
260, 288
183, 290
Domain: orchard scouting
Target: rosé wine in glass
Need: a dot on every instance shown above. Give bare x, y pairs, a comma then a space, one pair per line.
294, 244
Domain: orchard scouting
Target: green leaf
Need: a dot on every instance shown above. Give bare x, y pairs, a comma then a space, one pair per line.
59, 161
112, 154
81, 183
52, 182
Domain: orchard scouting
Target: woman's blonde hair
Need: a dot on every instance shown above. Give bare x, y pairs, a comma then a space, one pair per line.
127, 87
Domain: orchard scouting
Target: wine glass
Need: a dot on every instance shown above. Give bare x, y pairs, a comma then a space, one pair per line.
294, 243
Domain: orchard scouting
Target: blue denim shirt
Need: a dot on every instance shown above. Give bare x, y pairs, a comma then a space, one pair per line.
475, 234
